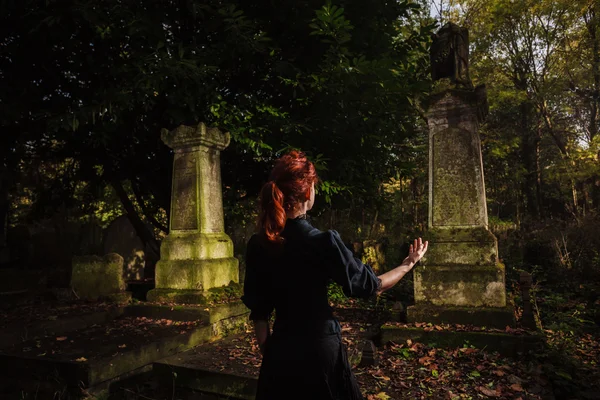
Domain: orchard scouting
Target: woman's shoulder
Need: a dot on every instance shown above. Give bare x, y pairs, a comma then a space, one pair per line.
324, 238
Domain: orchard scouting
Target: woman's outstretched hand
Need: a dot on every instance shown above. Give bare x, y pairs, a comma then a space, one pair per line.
417, 250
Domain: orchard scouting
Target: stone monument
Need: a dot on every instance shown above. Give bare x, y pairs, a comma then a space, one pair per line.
461, 279
197, 255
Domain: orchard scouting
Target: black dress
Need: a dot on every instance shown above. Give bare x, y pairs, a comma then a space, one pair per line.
304, 357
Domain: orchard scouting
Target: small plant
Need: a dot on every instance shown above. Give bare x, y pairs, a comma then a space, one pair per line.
336, 294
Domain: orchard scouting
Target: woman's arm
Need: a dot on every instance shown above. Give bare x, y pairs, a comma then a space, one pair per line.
415, 253
262, 331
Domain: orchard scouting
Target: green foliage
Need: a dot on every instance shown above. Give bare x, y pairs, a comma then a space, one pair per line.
337, 81
335, 293
540, 62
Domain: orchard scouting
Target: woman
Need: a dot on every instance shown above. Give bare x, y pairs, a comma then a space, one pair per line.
289, 264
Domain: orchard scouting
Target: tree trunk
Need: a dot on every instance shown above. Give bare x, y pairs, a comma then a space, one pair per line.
592, 25
147, 213
529, 156
141, 229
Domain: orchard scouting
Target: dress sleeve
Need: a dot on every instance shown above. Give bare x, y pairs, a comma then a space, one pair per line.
256, 293
357, 279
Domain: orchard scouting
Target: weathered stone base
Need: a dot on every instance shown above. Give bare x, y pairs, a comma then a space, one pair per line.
492, 317
461, 285
461, 269
505, 344
176, 296
196, 274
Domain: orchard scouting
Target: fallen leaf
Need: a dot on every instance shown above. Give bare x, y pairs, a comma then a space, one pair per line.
61, 338
515, 387
488, 392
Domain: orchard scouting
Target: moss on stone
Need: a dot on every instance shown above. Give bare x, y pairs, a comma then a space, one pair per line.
196, 274
233, 291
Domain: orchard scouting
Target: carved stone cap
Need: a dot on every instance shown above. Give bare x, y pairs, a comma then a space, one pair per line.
200, 135
461, 98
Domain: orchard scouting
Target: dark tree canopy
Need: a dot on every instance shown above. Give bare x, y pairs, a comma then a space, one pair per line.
93, 83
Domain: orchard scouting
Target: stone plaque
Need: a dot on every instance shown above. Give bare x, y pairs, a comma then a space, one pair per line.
184, 213
457, 178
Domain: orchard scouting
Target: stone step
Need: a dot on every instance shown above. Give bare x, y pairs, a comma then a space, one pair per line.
182, 372
97, 351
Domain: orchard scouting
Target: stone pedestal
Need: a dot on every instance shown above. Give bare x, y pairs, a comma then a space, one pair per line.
461, 279
197, 255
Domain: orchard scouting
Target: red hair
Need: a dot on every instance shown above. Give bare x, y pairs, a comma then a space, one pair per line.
291, 178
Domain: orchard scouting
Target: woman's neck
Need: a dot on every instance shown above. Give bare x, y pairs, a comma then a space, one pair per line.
301, 209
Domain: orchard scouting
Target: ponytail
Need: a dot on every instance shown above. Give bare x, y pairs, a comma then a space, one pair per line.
272, 214
290, 179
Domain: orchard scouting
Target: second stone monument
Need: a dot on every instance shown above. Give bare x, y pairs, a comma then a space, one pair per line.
461, 280
197, 255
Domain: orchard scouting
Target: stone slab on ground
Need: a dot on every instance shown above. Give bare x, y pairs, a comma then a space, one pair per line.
506, 344
492, 317
23, 330
98, 353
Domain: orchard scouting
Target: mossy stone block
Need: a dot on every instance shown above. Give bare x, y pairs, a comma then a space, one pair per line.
460, 285
196, 274
96, 277
196, 246
475, 246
